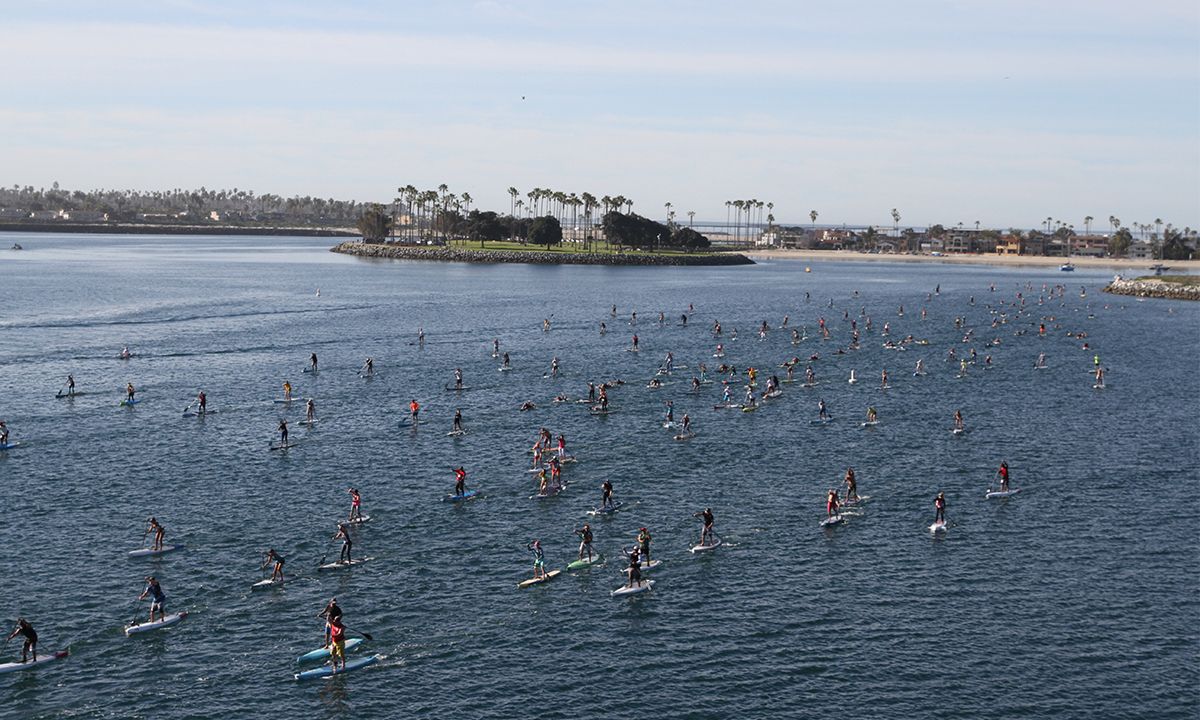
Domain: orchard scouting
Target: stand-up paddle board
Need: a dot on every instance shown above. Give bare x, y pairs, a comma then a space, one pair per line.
607, 510
322, 653
641, 587
343, 564
167, 621
42, 660
1001, 493
539, 580
706, 548
467, 495
329, 671
585, 563
268, 584
149, 552
939, 526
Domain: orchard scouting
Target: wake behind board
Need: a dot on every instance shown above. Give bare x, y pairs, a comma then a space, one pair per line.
456, 433
150, 552
329, 671
641, 587
42, 660
167, 621
869, 423
343, 564
539, 580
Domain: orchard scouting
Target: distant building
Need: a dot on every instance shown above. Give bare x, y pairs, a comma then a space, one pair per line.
46, 215
214, 215
1008, 245
1141, 251
85, 216
13, 214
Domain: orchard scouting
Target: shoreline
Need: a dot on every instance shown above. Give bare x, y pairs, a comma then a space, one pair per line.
144, 229
1082, 263
533, 257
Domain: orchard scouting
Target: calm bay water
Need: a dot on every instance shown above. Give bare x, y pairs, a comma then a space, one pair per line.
1077, 598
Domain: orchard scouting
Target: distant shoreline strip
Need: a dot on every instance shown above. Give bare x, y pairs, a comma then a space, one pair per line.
447, 254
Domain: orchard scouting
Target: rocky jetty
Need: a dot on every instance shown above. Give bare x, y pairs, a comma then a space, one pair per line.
449, 254
1154, 287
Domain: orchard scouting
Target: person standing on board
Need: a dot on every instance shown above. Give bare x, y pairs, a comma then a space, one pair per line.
939, 504
851, 485
70, 385
414, 409
277, 570
331, 612
460, 481
283, 433
29, 645
643, 540
539, 558
959, 425
343, 534
312, 362
129, 393
287, 390
1002, 473
355, 504
158, 599
201, 403
585, 541
706, 534
159, 533
310, 412
831, 503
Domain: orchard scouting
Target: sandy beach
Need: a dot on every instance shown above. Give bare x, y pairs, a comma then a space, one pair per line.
1124, 266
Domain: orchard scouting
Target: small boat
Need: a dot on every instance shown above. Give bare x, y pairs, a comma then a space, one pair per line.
17, 246
1067, 267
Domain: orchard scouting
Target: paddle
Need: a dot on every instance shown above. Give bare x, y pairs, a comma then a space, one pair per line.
366, 635
189, 407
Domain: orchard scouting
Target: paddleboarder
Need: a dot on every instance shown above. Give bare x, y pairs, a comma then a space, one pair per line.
585, 540
159, 533
158, 599
355, 504
707, 516
539, 558
939, 504
29, 645
277, 559
343, 534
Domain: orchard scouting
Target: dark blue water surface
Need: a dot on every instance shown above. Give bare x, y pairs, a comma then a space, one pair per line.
1076, 598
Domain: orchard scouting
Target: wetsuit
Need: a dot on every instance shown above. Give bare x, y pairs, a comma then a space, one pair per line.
457, 421
606, 494
939, 503
29, 646
283, 433
344, 533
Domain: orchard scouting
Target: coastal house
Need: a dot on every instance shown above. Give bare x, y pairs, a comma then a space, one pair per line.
46, 215
1008, 245
1089, 245
959, 243
1035, 244
1141, 250
13, 214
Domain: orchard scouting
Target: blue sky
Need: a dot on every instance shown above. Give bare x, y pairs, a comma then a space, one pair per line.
1002, 112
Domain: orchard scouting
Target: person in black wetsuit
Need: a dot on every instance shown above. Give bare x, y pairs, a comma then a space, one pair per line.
343, 534
29, 646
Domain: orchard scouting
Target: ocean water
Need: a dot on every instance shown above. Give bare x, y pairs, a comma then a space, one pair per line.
1076, 598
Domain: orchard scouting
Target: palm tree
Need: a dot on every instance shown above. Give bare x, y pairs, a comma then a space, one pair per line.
691, 217
1087, 224
1158, 227
770, 215
895, 220
1048, 221
728, 206
976, 226
812, 215
668, 206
